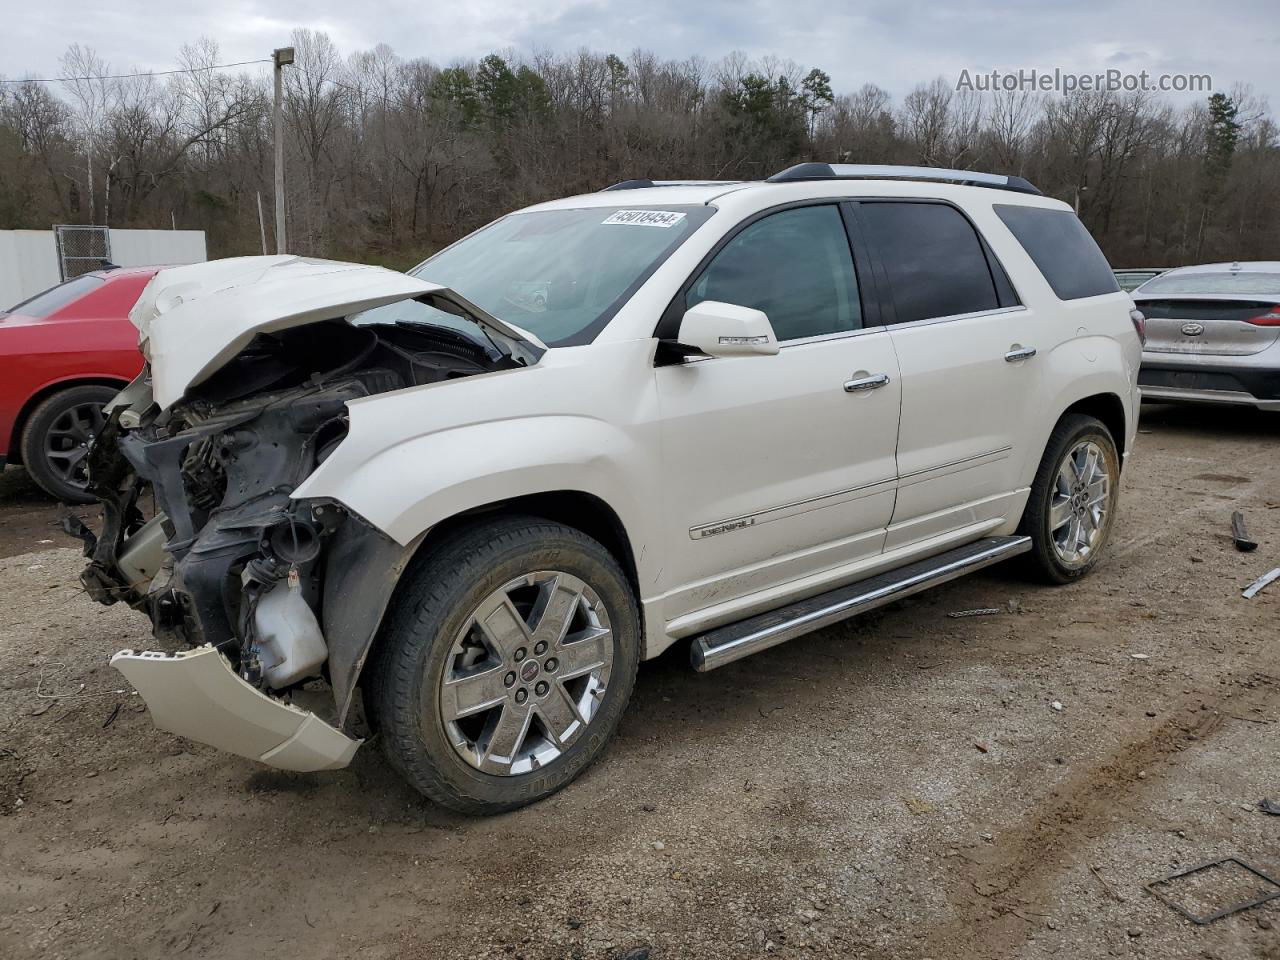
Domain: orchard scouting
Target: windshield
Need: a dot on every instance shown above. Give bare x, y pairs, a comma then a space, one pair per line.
1220, 281
561, 274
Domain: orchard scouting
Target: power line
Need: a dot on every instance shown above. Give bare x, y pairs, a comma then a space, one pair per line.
148, 73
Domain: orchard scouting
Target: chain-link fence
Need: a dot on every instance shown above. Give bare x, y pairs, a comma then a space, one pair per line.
81, 249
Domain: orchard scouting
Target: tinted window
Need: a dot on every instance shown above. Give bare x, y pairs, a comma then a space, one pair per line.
933, 260
55, 298
1063, 250
795, 266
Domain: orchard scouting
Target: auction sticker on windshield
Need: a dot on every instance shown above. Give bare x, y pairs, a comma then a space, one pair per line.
645, 218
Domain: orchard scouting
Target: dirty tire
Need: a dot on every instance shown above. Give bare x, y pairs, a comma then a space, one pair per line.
433, 604
45, 419
1043, 562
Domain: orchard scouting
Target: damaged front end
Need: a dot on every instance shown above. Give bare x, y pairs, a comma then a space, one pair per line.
271, 592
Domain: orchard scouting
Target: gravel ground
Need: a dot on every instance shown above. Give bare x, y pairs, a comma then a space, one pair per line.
897, 787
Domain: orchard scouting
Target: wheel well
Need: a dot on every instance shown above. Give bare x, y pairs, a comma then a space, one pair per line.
1108, 408
574, 508
44, 393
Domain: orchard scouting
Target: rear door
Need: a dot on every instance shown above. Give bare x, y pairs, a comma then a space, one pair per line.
966, 350
778, 468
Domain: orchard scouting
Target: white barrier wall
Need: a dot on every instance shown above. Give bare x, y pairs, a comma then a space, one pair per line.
28, 264
29, 258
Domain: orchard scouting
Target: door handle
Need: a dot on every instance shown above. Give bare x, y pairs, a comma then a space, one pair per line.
866, 383
1021, 353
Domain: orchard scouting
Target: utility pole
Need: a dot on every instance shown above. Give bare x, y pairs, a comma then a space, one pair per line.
280, 59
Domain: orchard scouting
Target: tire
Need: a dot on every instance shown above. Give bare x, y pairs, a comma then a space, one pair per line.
431, 635
1052, 558
63, 424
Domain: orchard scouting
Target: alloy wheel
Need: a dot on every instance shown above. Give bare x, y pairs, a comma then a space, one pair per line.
66, 444
1080, 503
527, 673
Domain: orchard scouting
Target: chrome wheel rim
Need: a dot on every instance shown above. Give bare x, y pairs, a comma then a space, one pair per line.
527, 673
1079, 507
66, 444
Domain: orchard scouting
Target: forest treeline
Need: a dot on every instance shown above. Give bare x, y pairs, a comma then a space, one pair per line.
389, 158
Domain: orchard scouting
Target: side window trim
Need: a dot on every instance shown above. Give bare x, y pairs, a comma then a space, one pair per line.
668, 326
1007, 297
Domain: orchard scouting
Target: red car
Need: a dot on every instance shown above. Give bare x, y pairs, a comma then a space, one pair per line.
63, 354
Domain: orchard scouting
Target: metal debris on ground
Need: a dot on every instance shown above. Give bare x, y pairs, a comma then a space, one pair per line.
1244, 543
1260, 888
1267, 805
980, 612
1254, 588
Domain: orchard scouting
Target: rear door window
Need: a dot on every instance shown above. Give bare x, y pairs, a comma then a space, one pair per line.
1062, 248
932, 258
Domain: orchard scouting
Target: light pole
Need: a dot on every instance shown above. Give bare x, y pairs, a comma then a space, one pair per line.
280, 59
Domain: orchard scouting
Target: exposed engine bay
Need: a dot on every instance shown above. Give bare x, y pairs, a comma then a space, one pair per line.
229, 559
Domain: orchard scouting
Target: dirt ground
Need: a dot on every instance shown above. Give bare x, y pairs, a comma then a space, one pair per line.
897, 787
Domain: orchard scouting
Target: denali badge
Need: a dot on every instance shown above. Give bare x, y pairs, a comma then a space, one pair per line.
710, 531
1193, 329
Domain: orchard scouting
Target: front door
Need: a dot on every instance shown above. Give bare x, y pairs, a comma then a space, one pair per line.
779, 467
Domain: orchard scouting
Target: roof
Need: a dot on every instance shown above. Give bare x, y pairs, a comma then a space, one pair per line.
759, 194
1236, 266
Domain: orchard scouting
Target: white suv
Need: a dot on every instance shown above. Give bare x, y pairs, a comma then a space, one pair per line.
480, 493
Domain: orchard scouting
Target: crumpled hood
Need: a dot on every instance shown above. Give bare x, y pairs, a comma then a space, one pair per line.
191, 320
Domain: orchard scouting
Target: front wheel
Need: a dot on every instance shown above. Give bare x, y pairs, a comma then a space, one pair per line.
506, 663
1072, 506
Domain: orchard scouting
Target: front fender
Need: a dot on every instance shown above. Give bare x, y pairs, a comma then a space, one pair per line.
408, 486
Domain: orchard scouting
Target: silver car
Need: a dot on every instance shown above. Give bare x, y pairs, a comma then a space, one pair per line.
1213, 334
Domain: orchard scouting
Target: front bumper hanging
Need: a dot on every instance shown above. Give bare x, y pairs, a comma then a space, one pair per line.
196, 694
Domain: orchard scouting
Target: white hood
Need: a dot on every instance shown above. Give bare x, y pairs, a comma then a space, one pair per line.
191, 320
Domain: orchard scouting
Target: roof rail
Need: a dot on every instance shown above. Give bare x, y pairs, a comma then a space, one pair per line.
642, 184
884, 171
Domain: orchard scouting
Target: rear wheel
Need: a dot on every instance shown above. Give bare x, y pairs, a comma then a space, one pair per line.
506, 664
1072, 506
55, 442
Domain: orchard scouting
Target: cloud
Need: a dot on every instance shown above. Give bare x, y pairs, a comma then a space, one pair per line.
894, 43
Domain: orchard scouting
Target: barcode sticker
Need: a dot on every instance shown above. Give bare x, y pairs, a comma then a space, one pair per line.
645, 218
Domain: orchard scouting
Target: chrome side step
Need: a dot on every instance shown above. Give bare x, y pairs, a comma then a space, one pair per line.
723, 645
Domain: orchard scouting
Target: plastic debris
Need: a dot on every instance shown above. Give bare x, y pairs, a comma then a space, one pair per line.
1254, 588
980, 612
1267, 805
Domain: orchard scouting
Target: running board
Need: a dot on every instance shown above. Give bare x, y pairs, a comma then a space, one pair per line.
726, 644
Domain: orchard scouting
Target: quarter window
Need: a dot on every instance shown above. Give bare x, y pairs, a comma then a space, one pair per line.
1062, 248
932, 258
795, 266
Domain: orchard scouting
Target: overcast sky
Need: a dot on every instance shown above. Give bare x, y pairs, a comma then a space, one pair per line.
895, 43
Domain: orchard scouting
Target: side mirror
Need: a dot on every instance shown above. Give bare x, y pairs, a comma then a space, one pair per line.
727, 330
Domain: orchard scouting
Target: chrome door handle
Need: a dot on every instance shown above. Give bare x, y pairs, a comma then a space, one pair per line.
866, 383
1022, 353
